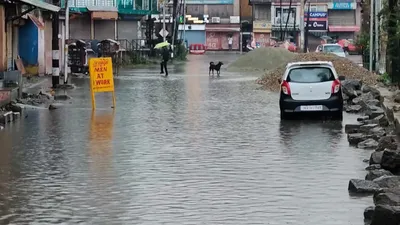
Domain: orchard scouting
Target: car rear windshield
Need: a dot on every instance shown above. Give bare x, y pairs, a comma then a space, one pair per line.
333, 48
310, 75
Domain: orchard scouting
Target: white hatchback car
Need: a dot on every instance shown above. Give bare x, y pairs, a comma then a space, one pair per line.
331, 48
311, 87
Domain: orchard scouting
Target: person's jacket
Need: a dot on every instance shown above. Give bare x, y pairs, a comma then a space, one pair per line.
165, 54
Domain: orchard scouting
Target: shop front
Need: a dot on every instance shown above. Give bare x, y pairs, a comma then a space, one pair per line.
342, 18
262, 33
194, 33
217, 36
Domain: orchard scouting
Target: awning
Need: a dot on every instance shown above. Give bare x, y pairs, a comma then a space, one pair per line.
102, 8
344, 28
42, 5
223, 29
104, 15
36, 21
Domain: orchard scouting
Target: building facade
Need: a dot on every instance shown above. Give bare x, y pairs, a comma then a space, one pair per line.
26, 36
273, 19
108, 19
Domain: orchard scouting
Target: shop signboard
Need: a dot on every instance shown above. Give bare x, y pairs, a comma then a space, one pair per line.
317, 25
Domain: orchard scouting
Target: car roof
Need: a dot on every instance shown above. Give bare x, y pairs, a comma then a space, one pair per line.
330, 45
309, 63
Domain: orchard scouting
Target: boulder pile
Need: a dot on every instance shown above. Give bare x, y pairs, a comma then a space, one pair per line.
373, 131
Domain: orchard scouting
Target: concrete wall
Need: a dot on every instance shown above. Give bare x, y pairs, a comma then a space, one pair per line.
48, 29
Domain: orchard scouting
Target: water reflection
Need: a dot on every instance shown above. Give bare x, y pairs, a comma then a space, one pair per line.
100, 141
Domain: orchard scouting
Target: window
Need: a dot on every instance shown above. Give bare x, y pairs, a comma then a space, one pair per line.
310, 75
333, 48
262, 12
292, 16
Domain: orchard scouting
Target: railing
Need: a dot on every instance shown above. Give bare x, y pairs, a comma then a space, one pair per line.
277, 21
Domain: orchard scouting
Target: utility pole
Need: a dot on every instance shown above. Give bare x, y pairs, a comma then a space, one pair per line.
302, 5
163, 25
66, 41
377, 11
306, 28
55, 50
184, 21
371, 34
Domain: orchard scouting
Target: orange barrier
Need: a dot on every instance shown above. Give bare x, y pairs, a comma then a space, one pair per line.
197, 49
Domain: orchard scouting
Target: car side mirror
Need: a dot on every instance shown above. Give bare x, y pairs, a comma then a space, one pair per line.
279, 81
342, 78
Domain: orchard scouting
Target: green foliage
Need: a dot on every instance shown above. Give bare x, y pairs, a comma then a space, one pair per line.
385, 78
181, 52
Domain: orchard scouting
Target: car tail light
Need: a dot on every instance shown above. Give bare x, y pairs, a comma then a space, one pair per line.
285, 88
335, 86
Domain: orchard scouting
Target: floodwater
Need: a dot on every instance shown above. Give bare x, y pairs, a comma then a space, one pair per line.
187, 149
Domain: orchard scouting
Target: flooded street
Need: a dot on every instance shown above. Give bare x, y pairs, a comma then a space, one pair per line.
186, 149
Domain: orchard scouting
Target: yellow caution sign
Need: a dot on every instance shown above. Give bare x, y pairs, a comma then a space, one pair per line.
101, 77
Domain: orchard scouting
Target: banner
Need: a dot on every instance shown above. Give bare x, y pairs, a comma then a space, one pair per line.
317, 26
316, 15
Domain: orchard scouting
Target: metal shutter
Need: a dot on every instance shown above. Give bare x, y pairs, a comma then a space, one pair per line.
341, 17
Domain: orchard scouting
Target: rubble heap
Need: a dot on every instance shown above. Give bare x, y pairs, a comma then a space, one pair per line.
343, 66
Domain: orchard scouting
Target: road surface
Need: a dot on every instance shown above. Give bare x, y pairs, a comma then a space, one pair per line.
187, 149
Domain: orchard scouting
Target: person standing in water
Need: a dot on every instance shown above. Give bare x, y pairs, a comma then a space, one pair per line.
165, 58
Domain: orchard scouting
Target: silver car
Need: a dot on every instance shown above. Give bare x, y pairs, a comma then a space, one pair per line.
311, 87
331, 48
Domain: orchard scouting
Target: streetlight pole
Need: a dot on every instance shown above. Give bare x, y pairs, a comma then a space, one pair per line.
371, 34
184, 22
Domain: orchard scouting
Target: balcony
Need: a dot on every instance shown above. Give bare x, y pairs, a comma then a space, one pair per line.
277, 21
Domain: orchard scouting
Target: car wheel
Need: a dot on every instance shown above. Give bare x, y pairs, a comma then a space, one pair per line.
285, 115
337, 115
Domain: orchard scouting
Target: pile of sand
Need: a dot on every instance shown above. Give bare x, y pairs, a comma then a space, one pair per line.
343, 66
262, 59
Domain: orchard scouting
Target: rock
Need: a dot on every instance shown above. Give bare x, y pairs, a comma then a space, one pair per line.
353, 108
396, 108
374, 102
52, 107
362, 186
368, 144
374, 111
369, 212
396, 97
377, 132
356, 138
352, 128
376, 157
374, 174
362, 118
349, 88
61, 97
386, 215
388, 182
366, 128
368, 89
366, 160
373, 167
388, 198
382, 120
387, 142
390, 160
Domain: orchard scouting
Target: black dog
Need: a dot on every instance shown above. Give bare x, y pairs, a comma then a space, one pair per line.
216, 67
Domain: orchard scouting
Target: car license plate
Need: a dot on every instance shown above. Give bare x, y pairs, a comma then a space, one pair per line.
311, 108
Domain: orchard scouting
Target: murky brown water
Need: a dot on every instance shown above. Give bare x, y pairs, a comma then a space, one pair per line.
180, 150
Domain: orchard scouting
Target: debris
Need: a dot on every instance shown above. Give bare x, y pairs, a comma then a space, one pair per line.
343, 66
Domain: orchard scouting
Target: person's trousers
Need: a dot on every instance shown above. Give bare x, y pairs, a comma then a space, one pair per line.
163, 66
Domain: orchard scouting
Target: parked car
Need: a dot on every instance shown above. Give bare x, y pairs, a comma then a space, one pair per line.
331, 48
311, 87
